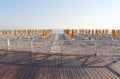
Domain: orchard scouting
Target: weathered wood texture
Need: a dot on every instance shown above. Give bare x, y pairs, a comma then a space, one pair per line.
15, 65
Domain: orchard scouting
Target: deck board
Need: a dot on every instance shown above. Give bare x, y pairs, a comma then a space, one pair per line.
55, 66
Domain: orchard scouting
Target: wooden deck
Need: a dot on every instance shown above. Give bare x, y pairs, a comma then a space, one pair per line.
14, 65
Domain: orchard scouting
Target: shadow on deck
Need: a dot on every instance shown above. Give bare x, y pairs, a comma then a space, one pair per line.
25, 65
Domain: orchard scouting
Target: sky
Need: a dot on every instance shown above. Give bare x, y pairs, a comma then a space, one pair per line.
59, 14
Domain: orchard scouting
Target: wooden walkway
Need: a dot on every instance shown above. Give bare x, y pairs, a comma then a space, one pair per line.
56, 47
15, 65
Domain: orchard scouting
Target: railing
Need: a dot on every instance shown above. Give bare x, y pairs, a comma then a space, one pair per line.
98, 47
78, 47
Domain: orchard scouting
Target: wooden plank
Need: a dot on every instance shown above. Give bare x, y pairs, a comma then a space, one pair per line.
75, 69
4, 69
56, 67
81, 71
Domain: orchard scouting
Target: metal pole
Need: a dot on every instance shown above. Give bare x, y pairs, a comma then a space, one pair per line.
61, 46
8, 47
18, 43
8, 44
112, 46
45, 43
95, 47
31, 45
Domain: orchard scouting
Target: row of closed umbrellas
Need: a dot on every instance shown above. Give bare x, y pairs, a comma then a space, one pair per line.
31, 32
96, 32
